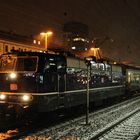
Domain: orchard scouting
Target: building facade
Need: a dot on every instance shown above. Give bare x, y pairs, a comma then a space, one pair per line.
76, 36
10, 42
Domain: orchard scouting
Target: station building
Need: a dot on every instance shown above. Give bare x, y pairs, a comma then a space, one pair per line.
10, 41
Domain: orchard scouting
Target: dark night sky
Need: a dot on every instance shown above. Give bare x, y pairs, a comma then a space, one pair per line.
118, 19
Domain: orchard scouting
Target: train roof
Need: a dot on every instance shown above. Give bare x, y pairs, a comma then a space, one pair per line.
68, 56
28, 53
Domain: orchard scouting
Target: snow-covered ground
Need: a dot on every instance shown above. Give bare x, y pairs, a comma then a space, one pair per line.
78, 130
129, 129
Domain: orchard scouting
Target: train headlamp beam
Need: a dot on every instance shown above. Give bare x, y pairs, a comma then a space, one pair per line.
26, 98
13, 75
2, 97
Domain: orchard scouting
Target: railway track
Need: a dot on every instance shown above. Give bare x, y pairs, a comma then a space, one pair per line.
127, 128
99, 121
76, 127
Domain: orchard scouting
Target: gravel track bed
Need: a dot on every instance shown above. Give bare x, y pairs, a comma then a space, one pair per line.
127, 130
76, 129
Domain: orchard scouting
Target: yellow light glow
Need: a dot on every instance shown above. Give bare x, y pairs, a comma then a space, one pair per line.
49, 33
92, 49
42, 33
46, 33
13, 75
26, 98
79, 39
38, 42
34, 41
2, 97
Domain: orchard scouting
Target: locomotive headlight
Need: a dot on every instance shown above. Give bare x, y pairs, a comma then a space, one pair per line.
26, 98
2, 97
13, 75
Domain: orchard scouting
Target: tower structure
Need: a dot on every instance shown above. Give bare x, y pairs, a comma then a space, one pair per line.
76, 36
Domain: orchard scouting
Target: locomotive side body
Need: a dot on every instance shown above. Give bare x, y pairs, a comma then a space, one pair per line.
48, 82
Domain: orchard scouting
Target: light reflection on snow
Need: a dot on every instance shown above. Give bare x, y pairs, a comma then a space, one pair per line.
8, 134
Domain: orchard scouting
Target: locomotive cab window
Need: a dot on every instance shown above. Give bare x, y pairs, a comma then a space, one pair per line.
26, 63
11, 63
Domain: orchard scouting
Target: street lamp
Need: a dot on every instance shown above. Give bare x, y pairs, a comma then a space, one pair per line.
46, 35
96, 52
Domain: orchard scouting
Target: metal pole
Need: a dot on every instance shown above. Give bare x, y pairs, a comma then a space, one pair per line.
46, 41
87, 97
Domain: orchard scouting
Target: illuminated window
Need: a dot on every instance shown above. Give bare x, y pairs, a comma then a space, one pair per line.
79, 39
73, 48
34, 41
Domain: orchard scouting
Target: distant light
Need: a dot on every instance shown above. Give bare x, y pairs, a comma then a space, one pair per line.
73, 48
85, 49
129, 73
46, 33
34, 41
49, 33
79, 39
92, 49
38, 42
89, 58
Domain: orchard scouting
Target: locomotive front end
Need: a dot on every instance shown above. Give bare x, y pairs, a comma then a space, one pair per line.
17, 82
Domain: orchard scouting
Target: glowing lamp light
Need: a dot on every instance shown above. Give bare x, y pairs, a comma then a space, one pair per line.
13, 75
2, 97
129, 73
73, 48
26, 98
92, 49
46, 35
86, 49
